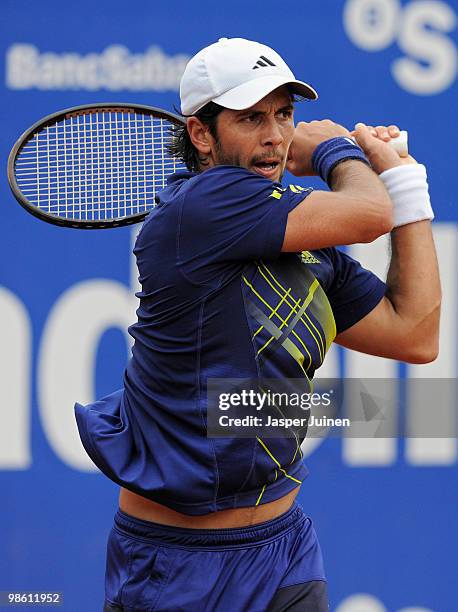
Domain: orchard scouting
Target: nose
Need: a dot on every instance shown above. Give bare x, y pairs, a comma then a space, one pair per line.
272, 135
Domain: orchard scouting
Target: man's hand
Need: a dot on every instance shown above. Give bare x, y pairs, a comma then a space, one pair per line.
306, 138
374, 142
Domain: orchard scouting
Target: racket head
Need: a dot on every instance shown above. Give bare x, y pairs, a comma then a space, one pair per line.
94, 166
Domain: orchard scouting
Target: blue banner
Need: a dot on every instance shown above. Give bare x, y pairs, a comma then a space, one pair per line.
384, 509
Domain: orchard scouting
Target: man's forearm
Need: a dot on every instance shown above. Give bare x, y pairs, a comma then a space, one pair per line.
358, 209
360, 181
414, 286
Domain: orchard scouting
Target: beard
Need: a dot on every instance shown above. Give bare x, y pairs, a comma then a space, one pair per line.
224, 158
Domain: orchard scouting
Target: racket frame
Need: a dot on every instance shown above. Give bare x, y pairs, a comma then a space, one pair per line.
64, 114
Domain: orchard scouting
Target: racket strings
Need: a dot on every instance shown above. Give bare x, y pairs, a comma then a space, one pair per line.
98, 166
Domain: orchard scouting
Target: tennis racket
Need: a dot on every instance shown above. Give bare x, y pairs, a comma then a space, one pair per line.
94, 166
100, 165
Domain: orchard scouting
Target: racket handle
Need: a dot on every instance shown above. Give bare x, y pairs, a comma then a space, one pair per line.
400, 144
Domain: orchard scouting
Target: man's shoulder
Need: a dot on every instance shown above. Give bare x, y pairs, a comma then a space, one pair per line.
216, 178
227, 186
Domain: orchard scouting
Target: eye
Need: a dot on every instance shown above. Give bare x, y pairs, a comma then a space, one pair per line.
252, 118
286, 113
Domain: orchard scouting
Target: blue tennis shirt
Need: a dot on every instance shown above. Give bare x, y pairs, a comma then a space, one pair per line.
219, 300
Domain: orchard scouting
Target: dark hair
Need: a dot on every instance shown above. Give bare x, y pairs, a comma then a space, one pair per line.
181, 146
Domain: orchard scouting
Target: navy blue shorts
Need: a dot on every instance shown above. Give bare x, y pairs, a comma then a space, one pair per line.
272, 566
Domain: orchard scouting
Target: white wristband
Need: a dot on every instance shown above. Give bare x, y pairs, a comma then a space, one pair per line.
408, 190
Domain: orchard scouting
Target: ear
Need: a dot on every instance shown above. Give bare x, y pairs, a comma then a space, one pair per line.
200, 135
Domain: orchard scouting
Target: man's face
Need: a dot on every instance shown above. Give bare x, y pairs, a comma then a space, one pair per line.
257, 138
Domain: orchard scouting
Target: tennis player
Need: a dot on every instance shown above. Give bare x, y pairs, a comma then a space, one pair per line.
240, 279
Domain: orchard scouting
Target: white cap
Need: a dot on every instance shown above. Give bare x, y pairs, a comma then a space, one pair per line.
236, 73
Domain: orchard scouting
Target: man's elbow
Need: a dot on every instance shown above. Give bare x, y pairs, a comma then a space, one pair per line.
422, 355
424, 350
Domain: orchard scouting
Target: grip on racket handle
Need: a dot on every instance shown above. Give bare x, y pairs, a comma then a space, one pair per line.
400, 144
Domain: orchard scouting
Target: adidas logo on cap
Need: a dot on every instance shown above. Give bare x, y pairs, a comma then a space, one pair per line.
263, 62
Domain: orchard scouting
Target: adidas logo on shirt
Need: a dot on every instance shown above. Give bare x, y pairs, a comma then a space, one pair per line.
308, 258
